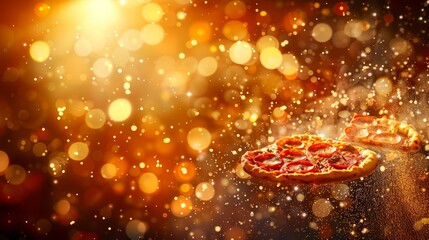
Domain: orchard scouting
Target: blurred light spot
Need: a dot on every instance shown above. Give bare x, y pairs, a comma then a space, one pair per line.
181, 206
353, 28
207, 66
271, 58
62, 207
266, 42
235, 30
4, 161
152, 34
200, 31
41, 9
383, 86
131, 40
199, 138
15, 174
240, 52
186, 189
108, 171
322, 208
300, 197
102, 67
181, 15
77, 108
119, 110
152, 12
39, 51
78, 151
235, 9
340, 191
204, 191
136, 229
341, 8
185, 171
95, 118
83, 47
39, 150
322, 32
289, 65
148, 182
399, 45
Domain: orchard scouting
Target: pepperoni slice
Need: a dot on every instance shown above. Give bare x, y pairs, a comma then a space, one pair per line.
322, 149
344, 161
293, 155
357, 132
387, 138
269, 161
300, 166
290, 143
364, 121
378, 129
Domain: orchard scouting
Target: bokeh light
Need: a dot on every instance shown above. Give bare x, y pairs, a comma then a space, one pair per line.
62, 207
4, 161
95, 118
289, 65
207, 66
271, 58
40, 51
383, 86
152, 34
185, 171
204, 191
181, 206
199, 138
266, 42
78, 151
322, 32
322, 207
135, 229
102, 68
120, 110
152, 12
41, 9
15, 174
241, 52
235, 9
83, 47
108, 171
148, 182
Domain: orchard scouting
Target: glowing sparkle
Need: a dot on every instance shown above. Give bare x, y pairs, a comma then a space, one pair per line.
120, 110
39, 51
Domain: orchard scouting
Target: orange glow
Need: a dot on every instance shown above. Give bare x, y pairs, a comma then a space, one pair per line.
41, 9
200, 31
185, 171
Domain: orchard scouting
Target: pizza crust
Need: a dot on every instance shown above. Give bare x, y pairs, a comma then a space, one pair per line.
365, 167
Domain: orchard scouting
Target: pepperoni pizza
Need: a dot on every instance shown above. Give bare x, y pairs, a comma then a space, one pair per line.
309, 159
374, 132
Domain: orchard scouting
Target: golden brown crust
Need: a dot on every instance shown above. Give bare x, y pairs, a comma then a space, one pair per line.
365, 167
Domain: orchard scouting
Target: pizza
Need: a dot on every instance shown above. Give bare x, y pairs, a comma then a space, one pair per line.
374, 132
309, 159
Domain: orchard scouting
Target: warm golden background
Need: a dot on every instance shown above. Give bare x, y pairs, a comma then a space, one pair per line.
124, 119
